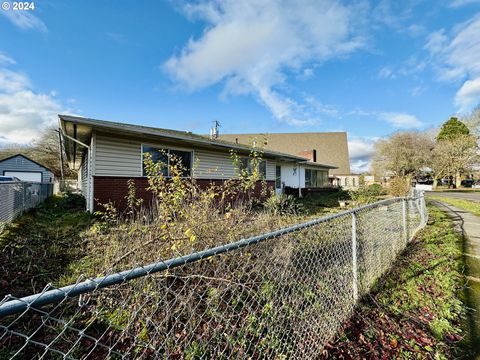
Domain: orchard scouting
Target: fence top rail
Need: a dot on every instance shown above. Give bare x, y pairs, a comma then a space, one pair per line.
24, 182
9, 307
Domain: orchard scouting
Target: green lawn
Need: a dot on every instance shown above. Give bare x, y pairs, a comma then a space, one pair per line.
470, 206
39, 246
416, 310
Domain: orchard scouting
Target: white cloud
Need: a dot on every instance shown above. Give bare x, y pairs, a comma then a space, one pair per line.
24, 112
11, 81
400, 120
468, 96
361, 151
360, 166
456, 57
417, 91
25, 20
416, 30
386, 73
6, 60
360, 148
252, 46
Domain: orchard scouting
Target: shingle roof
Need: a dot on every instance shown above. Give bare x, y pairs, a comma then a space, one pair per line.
331, 147
172, 134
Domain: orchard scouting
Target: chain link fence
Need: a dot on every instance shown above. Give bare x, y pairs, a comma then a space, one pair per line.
281, 295
16, 197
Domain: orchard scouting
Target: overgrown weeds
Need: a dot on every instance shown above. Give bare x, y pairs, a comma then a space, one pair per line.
37, 248
183, 217
367, 194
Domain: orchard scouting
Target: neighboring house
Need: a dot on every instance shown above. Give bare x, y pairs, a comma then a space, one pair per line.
26, 169
348, 181
319, 147
108, 154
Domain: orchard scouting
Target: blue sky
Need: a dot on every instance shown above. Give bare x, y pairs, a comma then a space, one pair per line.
366, 67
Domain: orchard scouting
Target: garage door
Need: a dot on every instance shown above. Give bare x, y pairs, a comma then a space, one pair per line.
25, 176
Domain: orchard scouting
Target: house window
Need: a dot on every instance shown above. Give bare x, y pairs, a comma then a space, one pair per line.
183, 159
322, 178
308, 178
262, 169
278, 177
245, 164
316, 178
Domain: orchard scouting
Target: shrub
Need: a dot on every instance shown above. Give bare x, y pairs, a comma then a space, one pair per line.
377, 190
367, 194
282, 205
399, 186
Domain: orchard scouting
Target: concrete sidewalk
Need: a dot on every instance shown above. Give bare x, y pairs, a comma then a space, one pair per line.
468, 225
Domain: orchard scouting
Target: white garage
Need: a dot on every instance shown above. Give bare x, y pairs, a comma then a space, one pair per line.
25, 175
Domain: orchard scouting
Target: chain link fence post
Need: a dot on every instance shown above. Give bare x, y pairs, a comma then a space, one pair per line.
354, 257
422, 207
404, 220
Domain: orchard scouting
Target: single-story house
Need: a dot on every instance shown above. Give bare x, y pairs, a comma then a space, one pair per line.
347, 181
26, 169
108, 154
318, 147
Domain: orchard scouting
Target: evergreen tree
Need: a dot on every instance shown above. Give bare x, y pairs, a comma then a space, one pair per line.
452, 129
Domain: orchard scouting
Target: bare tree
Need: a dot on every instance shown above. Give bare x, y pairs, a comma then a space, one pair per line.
403, 154
472, 120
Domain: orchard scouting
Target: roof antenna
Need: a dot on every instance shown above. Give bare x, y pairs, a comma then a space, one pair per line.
214, 130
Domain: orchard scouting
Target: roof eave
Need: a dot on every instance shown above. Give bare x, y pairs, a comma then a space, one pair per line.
110, 126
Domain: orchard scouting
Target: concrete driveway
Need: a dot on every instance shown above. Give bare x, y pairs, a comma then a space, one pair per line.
472, 196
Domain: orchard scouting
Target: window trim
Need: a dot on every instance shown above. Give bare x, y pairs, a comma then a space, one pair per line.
168, 147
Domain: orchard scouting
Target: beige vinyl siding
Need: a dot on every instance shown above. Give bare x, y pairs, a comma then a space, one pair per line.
270, 169
122, 157
213, 165
117, 157
84, 175
217, 165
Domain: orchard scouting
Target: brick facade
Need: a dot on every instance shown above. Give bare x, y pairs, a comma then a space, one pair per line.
114, 189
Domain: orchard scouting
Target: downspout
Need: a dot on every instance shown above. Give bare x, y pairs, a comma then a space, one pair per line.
299, 180
89, 169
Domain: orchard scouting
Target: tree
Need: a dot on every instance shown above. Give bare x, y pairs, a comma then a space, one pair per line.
452, 129
453, 157
455, 151
403, 154
472, 120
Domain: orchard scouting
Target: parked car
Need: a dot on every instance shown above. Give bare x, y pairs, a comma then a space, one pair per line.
476, 184
9, 178
468, 183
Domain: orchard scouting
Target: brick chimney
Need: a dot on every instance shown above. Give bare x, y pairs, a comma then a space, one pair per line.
311, 155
